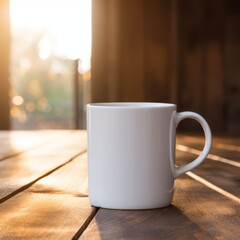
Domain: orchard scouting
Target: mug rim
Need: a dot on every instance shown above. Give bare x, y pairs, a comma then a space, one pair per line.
131, 105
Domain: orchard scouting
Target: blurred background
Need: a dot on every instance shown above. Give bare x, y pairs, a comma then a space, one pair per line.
58, 55
46, 73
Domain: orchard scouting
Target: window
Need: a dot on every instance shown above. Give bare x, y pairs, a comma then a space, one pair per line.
50, 63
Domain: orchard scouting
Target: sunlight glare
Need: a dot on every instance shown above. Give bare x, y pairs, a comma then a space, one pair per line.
67, 21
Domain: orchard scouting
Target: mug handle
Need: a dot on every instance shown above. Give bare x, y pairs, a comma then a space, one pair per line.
176, 119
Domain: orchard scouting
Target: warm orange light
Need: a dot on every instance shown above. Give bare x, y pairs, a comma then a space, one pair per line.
17, 100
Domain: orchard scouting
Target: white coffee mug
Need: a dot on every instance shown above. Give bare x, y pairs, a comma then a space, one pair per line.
131, 153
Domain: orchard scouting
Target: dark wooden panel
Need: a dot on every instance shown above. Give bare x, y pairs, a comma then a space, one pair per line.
55, 207
202, 70
113, 26
131, 72
19, 171
117, 51
214, 89
232, 64
130, 50
191, 57
197, 213
205, 60
157, 50
182, 51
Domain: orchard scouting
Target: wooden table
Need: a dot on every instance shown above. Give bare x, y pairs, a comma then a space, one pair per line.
44, 193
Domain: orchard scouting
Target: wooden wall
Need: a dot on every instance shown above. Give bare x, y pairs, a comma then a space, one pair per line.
187, 52
128, 48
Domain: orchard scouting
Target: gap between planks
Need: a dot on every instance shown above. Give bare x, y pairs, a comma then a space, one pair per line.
85, 224
21, 189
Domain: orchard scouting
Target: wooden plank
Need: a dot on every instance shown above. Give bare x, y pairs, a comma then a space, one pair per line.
228, 148
221, 168
197, 212
217, 139
215, 212
220, 174
55, 207
15, 142
210, 156
26, 168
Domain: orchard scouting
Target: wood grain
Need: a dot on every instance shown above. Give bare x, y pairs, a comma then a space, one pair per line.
228, 147
55, 207
16, 142
187, 52
214, 212
16, 172
51, 196
156, 51
219, 167
219, 142
222, 175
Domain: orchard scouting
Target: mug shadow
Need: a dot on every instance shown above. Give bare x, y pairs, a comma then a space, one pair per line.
163, 223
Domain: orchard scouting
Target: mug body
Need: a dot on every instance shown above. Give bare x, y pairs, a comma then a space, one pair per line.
128, 155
